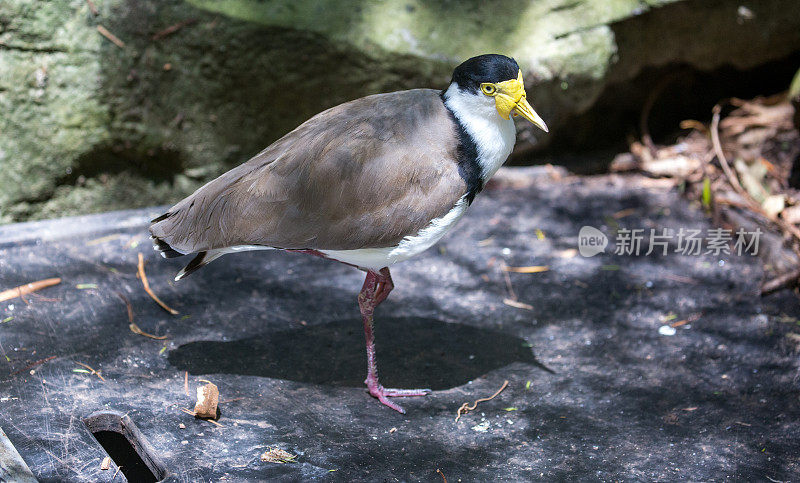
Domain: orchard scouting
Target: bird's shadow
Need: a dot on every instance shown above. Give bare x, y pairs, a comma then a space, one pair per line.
412, 352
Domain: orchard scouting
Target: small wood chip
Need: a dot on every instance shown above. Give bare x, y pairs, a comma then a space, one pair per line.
147, 289
277, 455
113, 38
28, 288
207, 401
465, 408
106, 464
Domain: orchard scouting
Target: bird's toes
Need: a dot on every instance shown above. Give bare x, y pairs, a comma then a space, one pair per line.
406, 392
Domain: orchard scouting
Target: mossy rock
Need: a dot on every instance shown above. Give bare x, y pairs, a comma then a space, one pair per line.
90, 126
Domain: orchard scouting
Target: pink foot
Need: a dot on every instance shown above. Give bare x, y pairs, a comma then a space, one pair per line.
382, 393
377, 286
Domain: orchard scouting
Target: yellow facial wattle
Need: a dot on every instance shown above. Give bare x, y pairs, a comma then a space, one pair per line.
509, 97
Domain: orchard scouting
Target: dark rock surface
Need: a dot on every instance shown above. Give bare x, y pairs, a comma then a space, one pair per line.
597, 393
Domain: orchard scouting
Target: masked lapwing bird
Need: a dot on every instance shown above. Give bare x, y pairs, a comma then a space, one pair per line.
368, 183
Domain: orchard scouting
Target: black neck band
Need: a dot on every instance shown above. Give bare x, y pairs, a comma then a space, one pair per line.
468, 167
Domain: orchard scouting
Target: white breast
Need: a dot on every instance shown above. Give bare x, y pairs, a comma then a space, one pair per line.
377, 258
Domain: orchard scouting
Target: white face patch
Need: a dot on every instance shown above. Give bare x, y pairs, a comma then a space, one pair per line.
494, 136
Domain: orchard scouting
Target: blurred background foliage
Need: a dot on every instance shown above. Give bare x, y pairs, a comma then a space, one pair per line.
110, 104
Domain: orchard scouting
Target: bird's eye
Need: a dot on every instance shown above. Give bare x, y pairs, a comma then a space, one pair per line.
488, 89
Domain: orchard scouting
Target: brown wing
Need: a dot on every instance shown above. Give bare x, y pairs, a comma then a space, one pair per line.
360, 175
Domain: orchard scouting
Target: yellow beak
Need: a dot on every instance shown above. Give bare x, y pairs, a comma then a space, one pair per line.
510, 99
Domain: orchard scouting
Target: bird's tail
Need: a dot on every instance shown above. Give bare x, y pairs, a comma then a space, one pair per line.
164, 248
202, 259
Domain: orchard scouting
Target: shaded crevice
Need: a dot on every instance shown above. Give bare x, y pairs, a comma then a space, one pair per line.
28, 48
159, 165
677, 92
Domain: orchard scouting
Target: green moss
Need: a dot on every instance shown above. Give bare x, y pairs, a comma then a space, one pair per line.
87, 126
48, 96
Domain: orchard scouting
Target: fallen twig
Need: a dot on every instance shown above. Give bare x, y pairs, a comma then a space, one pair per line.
91, 370
150, 291
103, 239
32, 365
486, 242
752, 204
173, 28
644, 116
113, 38
441, 474
28, 288
136, 330
45, 299
517, 304
186, 382
127, 305
691, 319
92, 7
787, 279
512, 295
623, 213
723, 162
531, 269
192, 413
681, 279
465, 408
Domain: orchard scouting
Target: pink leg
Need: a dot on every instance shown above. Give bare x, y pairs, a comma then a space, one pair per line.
375, 290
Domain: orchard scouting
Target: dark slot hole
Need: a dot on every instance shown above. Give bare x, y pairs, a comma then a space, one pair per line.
125, 456
126, 445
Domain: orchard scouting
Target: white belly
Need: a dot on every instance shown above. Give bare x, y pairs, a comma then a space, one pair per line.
377, 258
